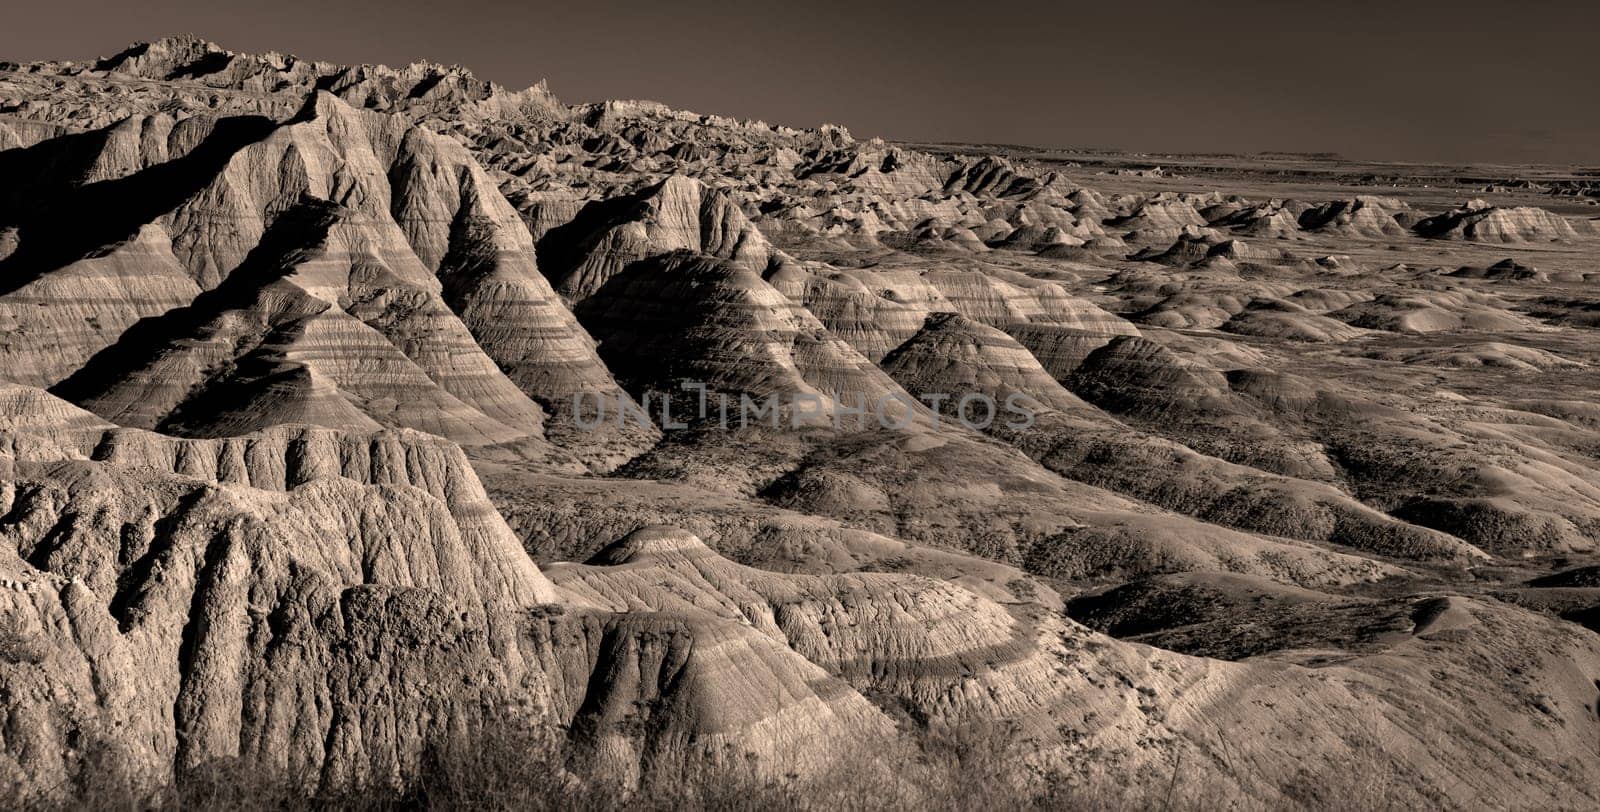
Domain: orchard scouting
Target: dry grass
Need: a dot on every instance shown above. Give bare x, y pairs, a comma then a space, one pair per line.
519, 769
18, 645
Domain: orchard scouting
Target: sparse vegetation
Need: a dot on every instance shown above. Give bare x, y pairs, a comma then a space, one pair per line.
17, 645
504, 768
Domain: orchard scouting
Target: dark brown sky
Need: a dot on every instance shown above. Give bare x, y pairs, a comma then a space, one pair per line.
1480, 80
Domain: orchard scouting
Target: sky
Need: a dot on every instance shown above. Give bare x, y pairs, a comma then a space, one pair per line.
1424, 80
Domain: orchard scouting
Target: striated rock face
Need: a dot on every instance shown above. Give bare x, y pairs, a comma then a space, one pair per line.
1435, 311
271, 631
1158, 220
340, 268
952, 353
264, 322
732, 332
1478, 221
264, 78
678, 214
485, 258
878, 309
939, 651
302, 596
326, 604
872, 321
196, 599
1076, 440
1361, 217
941, 654
1280, 318
993, 177
1140, 375
57, 322
1272, 219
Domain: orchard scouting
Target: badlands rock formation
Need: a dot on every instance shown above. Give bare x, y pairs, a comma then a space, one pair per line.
348, 412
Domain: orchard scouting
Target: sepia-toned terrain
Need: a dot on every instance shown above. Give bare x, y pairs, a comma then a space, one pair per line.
297, 478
